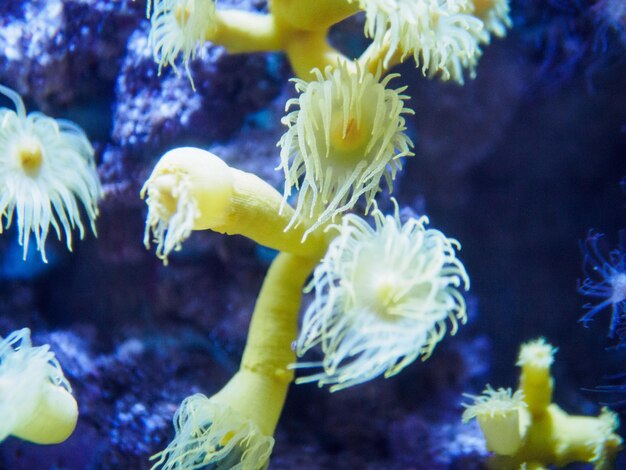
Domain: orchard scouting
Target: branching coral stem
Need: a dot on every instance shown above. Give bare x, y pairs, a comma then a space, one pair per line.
243, 31
254, 213
313, 15
268, 353
240, 31
274, 322
310, 50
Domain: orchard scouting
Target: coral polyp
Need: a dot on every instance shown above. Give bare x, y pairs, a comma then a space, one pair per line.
494, 14
209, 433
179, 28
171, 214
606, 281
346, 135
502, 417
178, 185
46, 168
383, 296
527, 429
443, 37
36, 402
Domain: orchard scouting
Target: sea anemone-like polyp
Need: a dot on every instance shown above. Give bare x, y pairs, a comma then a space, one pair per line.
346, 136
605, 281
46, 167
442, 35
502, 417
180, 27
184, 180
536, 355
494, 14
36, 402
383, 296
210, 433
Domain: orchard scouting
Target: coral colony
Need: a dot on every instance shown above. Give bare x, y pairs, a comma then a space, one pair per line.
526, 430
386, 290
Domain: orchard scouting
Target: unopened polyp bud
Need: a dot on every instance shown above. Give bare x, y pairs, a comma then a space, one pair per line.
192, 189
189, 189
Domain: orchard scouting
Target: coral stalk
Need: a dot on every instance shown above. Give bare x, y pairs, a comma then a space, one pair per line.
273, 329
234, 428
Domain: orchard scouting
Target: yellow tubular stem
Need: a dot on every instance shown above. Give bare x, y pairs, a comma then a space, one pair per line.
309, 50
254, 213
313, 15
274, 323
299, 28
537, 385
259, 389
242, 31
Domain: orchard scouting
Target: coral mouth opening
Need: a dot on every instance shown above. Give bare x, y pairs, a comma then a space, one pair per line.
30, 157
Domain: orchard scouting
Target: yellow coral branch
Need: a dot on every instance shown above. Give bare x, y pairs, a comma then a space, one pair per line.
287, 29
268, 350
310, 50
254, 212
538, 433
192, 189
242, 31
313, 15
234, 428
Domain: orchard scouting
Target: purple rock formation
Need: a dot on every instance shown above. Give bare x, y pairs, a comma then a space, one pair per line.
157, 112
57, 50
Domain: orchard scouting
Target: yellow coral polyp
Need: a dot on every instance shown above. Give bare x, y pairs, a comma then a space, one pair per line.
36, 402
346, 135
502, 417
46, 169
536, 358
211, 433
536, 355
183, 180
441, 37
179, 28
383, 296
192, 189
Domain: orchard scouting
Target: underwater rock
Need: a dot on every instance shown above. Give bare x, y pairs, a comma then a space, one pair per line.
48, 45
154, 113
